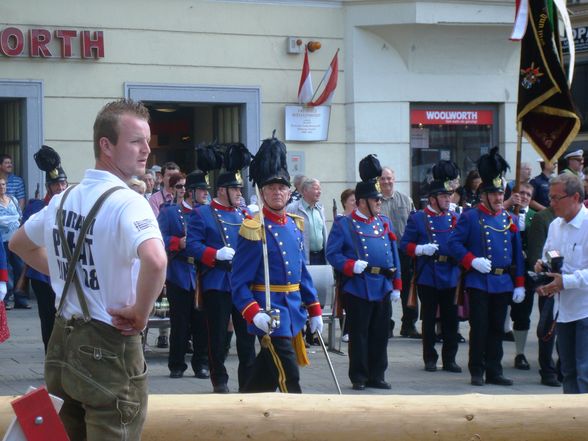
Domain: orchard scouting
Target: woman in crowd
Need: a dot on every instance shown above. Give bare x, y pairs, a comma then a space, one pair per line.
10, 216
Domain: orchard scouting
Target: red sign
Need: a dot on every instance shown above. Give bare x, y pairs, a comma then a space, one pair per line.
453, 117
42, 43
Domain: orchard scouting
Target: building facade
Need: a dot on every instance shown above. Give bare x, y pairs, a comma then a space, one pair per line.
418, 81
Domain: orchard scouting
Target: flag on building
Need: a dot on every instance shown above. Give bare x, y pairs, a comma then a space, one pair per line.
330, 80
545, 110
305, 91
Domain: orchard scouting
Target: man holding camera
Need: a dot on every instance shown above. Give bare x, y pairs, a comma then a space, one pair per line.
568, 234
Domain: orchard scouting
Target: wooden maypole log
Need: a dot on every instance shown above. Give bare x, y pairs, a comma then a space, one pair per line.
277, 417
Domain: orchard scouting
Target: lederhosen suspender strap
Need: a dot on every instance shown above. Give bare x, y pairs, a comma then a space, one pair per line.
73, 258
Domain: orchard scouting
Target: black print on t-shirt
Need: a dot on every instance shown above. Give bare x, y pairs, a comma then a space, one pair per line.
72, 223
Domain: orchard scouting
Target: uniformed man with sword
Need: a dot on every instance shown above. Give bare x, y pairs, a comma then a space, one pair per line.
271, 285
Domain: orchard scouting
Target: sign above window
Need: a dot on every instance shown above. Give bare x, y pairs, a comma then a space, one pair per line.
451, 116
44, 43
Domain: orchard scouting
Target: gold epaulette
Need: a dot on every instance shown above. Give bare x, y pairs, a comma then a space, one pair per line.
250, 229
298, 219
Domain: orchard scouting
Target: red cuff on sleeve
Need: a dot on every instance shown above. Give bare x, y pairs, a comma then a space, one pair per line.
174, 243
250, 311
411, 249
208, 257
3, 275
314, 309
519, 281
397, 284
348, 268
466, 262
392, 236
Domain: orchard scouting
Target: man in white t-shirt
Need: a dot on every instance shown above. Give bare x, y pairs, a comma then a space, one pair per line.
94, 357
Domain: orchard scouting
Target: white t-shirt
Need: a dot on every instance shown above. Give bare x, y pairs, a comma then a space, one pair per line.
571, 240
108, 265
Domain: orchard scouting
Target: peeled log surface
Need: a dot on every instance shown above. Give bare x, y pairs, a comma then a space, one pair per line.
277, 417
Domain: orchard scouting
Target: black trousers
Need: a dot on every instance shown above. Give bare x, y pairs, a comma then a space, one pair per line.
368, 338
185, 322
547, 367
431, 298
219, 309
46, 305
275, 367
520, 313
487, 315
409, 315
317, 258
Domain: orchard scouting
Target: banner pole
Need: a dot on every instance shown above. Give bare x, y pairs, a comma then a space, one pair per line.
518, 162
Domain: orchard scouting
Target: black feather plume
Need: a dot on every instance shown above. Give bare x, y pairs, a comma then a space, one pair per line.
209, 157
47, 159
369, 168
492, 165
445, 170
236, 157
270, 161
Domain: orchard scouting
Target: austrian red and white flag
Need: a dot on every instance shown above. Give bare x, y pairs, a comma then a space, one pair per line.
521, 20
331, 83
305, 91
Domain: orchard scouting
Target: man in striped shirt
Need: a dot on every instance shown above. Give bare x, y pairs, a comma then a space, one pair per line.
14, 184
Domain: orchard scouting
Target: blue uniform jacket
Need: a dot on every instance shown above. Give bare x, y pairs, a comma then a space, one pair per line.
204, 240
375, 242
481, 233
172, 223
285, 243
34, 206
426, 226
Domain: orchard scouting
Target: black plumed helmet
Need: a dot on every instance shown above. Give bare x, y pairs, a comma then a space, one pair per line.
444, 172
49, 161
270, 164
236, 158
196, 179
209, 157
369, 172
491, 167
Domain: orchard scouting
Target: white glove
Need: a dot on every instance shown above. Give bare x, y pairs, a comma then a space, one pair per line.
395, 296
3, 290
225, 253
359, 266
482, 265
427, 249
316, 324
518, 294
262, 321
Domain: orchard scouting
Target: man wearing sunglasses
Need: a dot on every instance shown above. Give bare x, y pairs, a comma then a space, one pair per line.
575, 163
568, 234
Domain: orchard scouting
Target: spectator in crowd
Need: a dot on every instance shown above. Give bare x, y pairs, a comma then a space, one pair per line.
397, 207
186, 322
512, 198
14, 184
470, 196
348, 201
426, 240
55, 183
157, 173
297, 193
149, 180
315, 224
536, 236
166, 193
520, 313
488, 263
575, 162
10, 217
540, 185
371, 278
568, 234
137, 185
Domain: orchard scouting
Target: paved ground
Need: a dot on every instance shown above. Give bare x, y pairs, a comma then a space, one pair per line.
21, 365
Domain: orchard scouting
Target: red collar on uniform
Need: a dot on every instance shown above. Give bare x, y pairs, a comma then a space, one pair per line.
275, 218
487, 211
361, 219
47, 199
433, 213
215, 204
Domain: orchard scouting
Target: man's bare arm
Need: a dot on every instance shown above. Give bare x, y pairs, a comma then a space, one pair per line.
33, 255
133, 319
